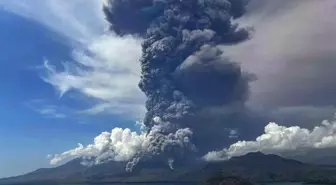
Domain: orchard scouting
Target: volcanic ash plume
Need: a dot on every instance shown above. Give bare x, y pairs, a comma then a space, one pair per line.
191, 88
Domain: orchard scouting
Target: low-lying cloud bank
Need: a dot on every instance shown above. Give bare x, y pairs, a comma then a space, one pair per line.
279, 139
125, 145
117, 145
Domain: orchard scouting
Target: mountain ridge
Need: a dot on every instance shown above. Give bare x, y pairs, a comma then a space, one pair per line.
256, 167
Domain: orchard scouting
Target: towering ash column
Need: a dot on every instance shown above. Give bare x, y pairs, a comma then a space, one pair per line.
189, 84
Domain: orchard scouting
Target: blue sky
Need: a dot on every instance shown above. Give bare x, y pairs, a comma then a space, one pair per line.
37, 116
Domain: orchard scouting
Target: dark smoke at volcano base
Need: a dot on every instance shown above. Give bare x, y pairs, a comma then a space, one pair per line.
196, 96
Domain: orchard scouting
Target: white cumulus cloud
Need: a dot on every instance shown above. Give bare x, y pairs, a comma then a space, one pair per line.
117, 145
125, 145
279, 139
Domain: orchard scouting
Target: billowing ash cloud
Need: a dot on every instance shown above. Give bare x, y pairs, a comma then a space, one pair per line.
190, 85
282, 140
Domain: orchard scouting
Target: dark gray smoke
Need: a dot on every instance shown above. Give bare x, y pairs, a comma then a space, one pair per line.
188, 82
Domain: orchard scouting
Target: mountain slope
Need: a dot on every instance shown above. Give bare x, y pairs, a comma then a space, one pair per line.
261, 167
65, 171
253, 166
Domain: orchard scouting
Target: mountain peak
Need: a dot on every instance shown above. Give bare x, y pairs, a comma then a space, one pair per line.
261, 158
255, 154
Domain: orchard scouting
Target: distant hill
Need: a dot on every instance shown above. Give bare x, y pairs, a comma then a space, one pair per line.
329, 157
253, 166
325, 160
260, 167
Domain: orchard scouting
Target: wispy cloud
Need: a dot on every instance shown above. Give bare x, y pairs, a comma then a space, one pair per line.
47, 110
76, 19
51, 111
106, 71
104, 67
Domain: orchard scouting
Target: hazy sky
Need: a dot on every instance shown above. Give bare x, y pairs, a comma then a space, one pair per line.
292, 54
